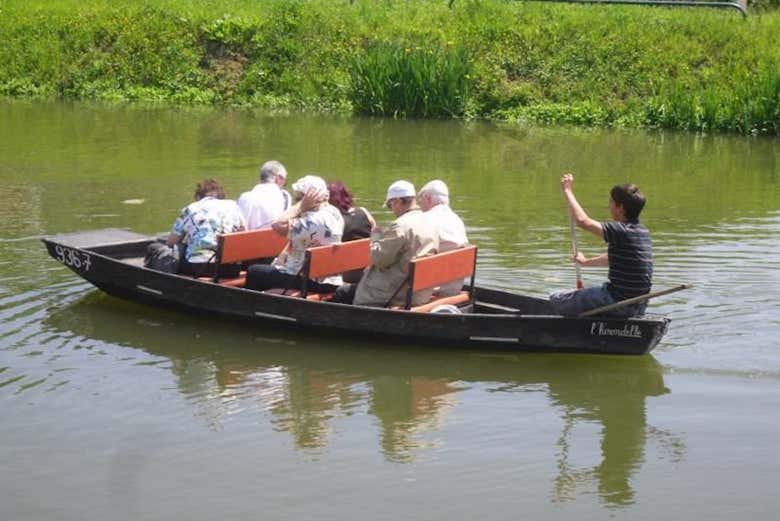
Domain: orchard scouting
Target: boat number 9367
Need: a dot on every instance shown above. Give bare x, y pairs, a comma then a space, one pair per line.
73, 258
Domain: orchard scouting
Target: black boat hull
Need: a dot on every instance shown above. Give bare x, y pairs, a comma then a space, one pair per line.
499, 319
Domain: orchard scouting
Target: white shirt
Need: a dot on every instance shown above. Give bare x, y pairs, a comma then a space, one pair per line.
262, 205
452, 235
452, 232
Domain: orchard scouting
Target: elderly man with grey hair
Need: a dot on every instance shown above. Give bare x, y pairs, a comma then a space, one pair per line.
434, 199
262, 205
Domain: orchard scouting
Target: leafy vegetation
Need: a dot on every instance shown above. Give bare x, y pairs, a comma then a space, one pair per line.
428, 81
695, 69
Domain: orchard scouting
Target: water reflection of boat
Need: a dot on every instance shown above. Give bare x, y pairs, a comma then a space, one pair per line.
111, 260
305, 382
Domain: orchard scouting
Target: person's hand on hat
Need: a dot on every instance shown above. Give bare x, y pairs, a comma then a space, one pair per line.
312, 198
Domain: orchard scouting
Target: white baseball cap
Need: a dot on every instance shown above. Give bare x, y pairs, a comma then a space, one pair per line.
435, 187
400, 189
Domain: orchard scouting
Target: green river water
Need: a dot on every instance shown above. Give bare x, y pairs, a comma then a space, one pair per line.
111, 410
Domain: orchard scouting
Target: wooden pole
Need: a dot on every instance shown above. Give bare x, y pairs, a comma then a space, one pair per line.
634, 300
573, 231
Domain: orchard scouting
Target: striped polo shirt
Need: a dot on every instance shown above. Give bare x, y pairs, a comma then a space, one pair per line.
630, 258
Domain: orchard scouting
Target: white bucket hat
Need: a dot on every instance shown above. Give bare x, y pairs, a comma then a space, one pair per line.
309, 182
400, 189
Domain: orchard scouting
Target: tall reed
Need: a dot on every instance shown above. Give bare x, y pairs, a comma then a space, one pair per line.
390, 79
752, 105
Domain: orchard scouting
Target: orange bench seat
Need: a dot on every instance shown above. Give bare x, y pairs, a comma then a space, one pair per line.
454, 300
249, 245
235, 282
323, 261
438, 270
245, 246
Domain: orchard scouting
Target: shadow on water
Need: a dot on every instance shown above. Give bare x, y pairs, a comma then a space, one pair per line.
304, 383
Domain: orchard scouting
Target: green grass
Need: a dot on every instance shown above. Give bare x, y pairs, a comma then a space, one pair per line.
694, 69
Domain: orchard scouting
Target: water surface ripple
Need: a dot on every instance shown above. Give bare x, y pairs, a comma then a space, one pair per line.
113, 410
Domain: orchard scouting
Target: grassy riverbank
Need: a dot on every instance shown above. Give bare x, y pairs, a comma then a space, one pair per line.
592, 65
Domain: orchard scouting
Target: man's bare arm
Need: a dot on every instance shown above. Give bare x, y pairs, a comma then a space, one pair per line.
599, 261
580, 217
310, 200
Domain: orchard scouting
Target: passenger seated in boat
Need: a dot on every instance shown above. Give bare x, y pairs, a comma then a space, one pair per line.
198, 226
434, 200
629, 254
268, 200
312, 221
410, 235
358, 222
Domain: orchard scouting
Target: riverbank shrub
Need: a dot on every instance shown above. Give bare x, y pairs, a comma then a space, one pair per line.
694, 69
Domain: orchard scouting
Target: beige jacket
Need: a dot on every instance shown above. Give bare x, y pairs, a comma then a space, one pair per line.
409, 236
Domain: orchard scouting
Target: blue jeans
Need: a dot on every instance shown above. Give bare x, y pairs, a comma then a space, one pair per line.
572, 303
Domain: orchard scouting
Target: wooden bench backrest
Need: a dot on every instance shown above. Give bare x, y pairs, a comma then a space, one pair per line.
436, 270
252, 244
322, 261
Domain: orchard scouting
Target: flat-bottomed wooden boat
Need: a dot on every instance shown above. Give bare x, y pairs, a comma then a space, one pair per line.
112, 260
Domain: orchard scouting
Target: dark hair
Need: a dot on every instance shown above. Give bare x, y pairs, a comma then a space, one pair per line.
339, 196
209, 188
630, 198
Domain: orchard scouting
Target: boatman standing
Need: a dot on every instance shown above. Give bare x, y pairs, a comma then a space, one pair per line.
629, 254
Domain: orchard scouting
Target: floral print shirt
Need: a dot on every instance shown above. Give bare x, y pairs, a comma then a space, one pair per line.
315, 228
201, 222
